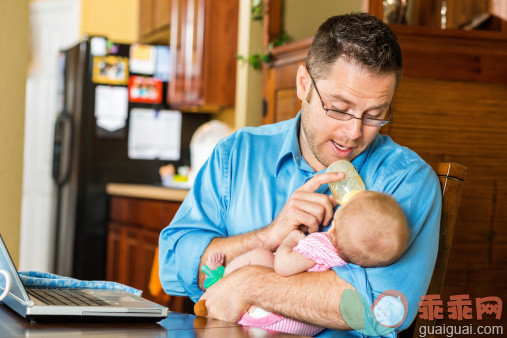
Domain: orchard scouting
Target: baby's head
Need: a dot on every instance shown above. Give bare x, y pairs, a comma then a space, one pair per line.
370, 230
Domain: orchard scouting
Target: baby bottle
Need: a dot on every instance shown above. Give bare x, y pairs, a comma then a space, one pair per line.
352, 183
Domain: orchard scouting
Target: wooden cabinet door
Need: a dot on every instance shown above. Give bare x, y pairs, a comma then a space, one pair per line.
146, 18
115, 269
203, 51
281, 98
133, 233
162, 14
154, 21
130, 255
140, 246
186, 46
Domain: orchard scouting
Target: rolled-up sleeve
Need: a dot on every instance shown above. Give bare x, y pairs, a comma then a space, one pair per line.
200, 218
417, 190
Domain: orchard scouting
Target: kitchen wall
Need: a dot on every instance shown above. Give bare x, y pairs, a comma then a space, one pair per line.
116, 19
248, 109
302, 18
13, 69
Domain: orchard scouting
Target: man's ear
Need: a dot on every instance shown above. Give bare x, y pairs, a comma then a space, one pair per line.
302, 82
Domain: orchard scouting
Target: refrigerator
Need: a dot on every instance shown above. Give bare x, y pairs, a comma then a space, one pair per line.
91, 149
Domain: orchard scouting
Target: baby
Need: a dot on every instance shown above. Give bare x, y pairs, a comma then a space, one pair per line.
369, 230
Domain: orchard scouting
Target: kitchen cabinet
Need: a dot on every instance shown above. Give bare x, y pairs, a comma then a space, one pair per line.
154, 21
133, 231
203, 38
203, 44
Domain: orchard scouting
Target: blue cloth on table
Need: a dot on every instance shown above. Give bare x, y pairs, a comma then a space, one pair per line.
45, 279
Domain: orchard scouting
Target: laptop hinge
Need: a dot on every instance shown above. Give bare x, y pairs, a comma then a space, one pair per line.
28, 303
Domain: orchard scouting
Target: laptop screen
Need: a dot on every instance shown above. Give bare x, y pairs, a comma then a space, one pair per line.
7, 264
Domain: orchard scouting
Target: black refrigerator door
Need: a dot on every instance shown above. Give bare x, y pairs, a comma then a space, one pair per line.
67, 129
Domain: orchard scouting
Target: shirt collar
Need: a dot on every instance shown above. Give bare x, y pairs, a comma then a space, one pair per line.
361, 158
290, 144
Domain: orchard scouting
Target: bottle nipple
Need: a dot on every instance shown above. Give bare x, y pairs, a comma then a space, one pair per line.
349, 186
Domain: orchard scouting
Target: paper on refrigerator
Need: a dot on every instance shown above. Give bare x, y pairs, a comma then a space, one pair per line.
142, 59
154, 134
111, 107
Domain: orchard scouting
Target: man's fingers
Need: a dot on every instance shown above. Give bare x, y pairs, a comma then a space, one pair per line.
304, 229
333, 201
313, 228
317, 210
316, 204
310, 220
316, 181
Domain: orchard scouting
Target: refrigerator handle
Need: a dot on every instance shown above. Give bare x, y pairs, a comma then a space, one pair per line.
63, 121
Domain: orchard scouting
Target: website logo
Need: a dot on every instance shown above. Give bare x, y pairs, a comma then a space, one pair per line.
459, 307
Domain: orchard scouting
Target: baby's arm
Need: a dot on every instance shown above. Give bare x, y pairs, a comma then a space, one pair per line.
287, 262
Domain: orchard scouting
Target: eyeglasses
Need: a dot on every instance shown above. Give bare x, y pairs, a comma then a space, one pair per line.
343, 116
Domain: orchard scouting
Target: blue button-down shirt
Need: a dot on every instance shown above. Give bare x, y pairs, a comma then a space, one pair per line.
252, 173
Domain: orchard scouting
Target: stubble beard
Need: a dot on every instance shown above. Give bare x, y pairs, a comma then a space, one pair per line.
312, 138
311, 134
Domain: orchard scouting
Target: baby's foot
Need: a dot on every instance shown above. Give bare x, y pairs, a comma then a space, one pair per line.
215, 260
257, 312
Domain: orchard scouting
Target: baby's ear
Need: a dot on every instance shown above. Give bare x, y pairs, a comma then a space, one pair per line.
332, 227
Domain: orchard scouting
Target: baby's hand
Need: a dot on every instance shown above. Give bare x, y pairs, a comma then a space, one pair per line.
295, 235
291, 241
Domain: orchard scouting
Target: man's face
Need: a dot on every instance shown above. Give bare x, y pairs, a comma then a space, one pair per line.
348, 88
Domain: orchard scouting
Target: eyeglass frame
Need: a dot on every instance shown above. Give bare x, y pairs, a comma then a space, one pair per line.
382, 122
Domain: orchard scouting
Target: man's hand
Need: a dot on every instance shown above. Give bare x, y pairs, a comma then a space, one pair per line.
311, 297
226, 300
304, 208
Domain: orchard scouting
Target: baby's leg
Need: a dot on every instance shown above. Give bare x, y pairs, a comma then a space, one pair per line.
262, 257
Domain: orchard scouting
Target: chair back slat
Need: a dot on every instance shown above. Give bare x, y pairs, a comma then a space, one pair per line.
451, 177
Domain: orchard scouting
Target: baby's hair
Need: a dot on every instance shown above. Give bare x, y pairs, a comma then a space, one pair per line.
371, 230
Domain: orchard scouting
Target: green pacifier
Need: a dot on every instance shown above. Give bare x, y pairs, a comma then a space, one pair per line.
213, 275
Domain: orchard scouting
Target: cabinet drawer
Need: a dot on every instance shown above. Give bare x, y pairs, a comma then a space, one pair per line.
145, 213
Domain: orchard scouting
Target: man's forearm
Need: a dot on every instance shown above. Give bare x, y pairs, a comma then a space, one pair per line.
234, 246
308, 297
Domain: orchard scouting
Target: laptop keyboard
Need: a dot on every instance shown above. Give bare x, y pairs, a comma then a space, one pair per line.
65, 297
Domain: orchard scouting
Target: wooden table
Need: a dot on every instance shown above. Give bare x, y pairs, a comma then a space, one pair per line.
175, 325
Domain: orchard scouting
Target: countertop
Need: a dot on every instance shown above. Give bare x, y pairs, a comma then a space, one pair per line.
146, 191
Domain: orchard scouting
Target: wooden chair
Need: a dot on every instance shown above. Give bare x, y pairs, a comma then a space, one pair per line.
451, 177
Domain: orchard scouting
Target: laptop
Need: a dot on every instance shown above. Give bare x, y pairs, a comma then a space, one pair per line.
56, 304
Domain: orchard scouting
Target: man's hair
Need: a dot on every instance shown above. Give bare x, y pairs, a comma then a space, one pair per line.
371, 230
358, 37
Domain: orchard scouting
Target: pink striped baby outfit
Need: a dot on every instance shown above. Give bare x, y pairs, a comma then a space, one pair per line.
317, 247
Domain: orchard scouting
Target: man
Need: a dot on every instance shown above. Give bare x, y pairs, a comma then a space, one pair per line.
261, 183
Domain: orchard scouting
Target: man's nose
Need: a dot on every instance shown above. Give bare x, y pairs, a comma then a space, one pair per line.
354, 128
